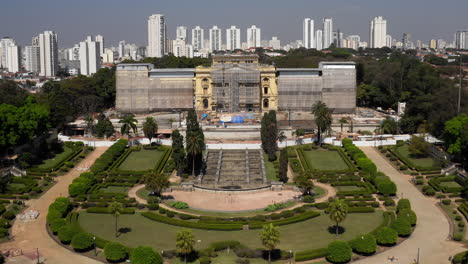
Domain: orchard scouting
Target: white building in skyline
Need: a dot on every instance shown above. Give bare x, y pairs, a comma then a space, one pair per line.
90, 56
198, 38
308, 34
121, 49
254, 37
156, 36
13, 58
108, 56
100, 40
181, 33
4, 43
327, 32
319, 39
353, 41
275, 43
378, 32
32, 58
215, 39
48, 50
181, 49
233, 38
461, 40
389, 41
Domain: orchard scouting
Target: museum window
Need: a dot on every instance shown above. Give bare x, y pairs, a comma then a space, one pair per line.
205, 103
265, 90
265, 103
205, 90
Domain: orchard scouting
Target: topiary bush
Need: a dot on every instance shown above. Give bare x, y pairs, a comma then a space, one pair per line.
204, 260
114, 251
389, 202
403, 204
385, 186
145, 255
62, 205
365, 244
9, 215
339, 252
56, 224
402, 226
386, 236
66, 233
460, 258
53, 215
179, 205
409, 215
82, 241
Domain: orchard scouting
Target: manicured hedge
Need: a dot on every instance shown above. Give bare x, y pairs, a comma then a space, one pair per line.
402, 226
109, 156
311, 254
410, 164
66, 233
364, 244
460, 258
403, 204
77, 148
105, 210
115, 252
436, 184
408, 215
82, 184
339, 252
463, 208
145, 255
82, 241
386, 236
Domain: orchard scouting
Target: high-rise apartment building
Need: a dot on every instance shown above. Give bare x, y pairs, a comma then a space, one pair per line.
441, 44
181, 49
121, 49
308, 34
433, 44
389, 41
13, 58
90, 56
233, 38
156, 36
275, 43
108, 56
181, 33
327, 32
461, 40
353, 41
198, 38
48, 50
407, 44
32, 58
215, 39
378, 32
100, 39
254, 37
4, 43
319, 39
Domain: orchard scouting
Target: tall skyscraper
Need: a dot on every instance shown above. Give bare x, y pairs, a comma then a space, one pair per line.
233, 38
215, 39
378, 32
4, 43
353, 41
433, 44
108, 56
461, 40
181, 33
122, 49
441, 44
275, 43
198, 38
48, 46
32, 59
90, 56
389, 41
327, 32
407, 44
308, 34
254, 37
100, 39
319, 39
13, 58
156, 36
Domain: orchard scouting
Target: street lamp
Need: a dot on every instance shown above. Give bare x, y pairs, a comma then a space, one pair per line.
290, 256
94, 243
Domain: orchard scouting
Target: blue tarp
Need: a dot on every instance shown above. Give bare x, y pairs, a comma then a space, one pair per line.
237, 119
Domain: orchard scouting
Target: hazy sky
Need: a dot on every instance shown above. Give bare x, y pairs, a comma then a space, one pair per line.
127, 19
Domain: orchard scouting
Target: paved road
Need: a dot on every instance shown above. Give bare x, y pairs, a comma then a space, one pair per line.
31, 235
432, 228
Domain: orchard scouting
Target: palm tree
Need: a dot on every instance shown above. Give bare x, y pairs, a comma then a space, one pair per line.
282, 137
128, 123
342, 121
270, 237
194, 147
184, 242
323, 118
351, 124
156, 182
338, 210
150, 127
116, 208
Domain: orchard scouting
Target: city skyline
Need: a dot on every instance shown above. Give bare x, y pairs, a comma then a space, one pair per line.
128, 21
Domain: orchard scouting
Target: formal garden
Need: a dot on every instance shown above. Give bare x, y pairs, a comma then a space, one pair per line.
425, 171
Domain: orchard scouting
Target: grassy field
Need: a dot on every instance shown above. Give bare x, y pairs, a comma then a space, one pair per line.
450, 184
348, 188
309, 234
270, 168
422, 162
115, 189
141, 160
325, 160
449, 211
50, 163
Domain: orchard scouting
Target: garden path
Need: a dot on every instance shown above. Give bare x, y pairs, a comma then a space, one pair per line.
28, 236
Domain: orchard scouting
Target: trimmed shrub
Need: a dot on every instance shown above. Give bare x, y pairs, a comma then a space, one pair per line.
114, 251
66, 233
409, 215
178, 205
53, 215
461, 224
56, 224
4, 223
458, 237
308, 199
446, 201
365, 244
339, 252
458, 218
62, 205
460, 258
311, 254
389, 202
402, 226
403, 204
386, 236
145, 255
82, 241
385, 186
203, 260
10, 215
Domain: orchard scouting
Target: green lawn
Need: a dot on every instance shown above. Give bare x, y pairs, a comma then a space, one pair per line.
325, 160
450, 184
348, 188
141, 160
309, 234
449, 211
319, 192
115, 189
270, 168
50, 163
421, 162
226, 258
